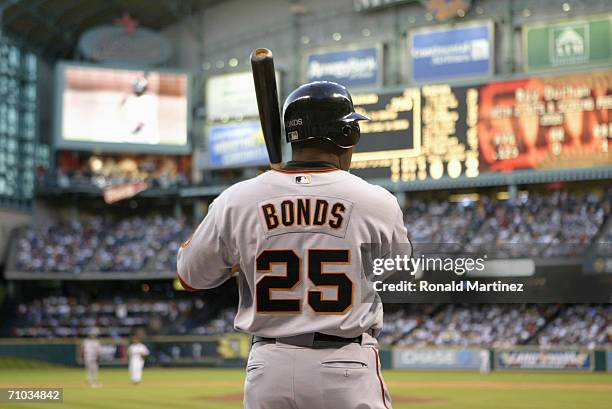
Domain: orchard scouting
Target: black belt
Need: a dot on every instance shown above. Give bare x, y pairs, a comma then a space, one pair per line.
318, 337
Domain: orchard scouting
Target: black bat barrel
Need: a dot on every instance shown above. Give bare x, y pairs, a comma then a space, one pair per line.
264, 76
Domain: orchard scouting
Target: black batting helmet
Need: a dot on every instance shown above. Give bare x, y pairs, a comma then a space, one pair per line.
322, 110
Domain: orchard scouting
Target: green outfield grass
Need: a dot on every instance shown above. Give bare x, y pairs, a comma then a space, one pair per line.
221, 389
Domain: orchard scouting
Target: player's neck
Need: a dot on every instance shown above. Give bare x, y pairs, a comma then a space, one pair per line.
312, 155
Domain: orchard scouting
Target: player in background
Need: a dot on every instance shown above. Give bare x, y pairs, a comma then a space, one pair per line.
90, 350
137, 353
485, 361
296, 235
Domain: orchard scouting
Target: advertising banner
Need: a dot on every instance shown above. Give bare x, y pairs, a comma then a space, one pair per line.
546, 122
232, 97
568, 43
451, 52
237, 144
351, 67
609, 360
436, 359
550, 360
124, 191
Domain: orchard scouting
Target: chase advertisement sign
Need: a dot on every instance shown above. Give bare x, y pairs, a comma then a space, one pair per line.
351, 67
237, 144
452, 52
436, 359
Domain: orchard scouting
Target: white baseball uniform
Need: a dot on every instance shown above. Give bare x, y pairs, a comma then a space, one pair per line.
296, 235
91, 351
137, 352
485, 364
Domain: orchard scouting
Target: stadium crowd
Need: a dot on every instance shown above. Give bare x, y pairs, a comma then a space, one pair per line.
59, 316
604, 244
588, 325
555, 224
97, 244
495, 325
422, 325
66, 246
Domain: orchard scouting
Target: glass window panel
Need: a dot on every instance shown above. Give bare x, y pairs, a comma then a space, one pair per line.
30, 92
14, 55
18, 128
31, 65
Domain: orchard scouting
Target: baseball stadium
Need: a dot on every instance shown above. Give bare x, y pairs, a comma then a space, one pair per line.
210, 203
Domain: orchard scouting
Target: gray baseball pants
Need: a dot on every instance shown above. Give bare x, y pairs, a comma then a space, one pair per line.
283, 375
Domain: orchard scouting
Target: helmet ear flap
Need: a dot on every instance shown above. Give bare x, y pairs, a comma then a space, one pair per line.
350, 135
347, 131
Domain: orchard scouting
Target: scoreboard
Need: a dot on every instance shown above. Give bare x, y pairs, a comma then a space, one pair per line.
437, 131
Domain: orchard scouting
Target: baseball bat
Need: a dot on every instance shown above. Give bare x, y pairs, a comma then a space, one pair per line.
264, 76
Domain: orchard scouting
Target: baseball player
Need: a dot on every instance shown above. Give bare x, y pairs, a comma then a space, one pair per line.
139, 114
485, 364
90, 350
295, 234
137, 353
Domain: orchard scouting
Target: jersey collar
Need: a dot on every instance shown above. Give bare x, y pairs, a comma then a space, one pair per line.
295, 166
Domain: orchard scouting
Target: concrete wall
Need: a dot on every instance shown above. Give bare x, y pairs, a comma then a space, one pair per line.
9, 220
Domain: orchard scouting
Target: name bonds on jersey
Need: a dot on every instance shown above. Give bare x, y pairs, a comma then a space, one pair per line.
304, 212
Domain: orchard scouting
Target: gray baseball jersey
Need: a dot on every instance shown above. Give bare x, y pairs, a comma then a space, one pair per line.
295, 236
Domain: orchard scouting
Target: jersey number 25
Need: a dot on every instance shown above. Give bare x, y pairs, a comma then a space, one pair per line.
293, 266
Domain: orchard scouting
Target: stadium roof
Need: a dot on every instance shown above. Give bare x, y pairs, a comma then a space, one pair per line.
53, 26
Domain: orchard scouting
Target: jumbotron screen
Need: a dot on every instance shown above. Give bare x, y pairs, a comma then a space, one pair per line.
122, 108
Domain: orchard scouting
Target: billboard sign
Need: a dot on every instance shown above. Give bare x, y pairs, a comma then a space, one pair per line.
112, 44
568, 43
548, 360
452, 52
232, 97
122, 109
352, 67
436, 359
237, 144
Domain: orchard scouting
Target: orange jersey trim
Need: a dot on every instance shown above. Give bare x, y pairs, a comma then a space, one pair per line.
382, 388
306, 170
185, 285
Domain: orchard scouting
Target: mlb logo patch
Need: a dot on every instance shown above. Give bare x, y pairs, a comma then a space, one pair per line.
293, 136
303, 180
